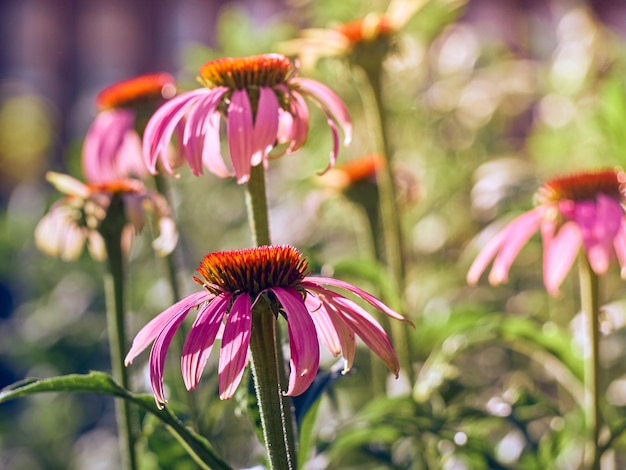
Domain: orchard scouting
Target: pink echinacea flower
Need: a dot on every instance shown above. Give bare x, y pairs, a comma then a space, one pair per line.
112, 147
233, 282
262, 101
578, 211
76, 218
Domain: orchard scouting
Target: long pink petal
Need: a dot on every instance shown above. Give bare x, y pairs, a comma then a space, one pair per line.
599, 222
161, 126
129, 159
303, 343
620, 246
239, 128
324, 314
212, 151
559, 254
200, 339
295, 122
151, 330
518, 233
102, 143
368, 329
328, 100
197, 125
235, 342
265, 125
313, 283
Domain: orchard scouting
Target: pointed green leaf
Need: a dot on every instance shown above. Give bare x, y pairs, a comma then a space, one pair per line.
99, 382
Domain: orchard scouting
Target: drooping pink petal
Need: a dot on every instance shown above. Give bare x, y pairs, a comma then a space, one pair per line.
368, 329
161, 127
200, 339
620, 246
265, 125
324, 315
599, 222
103, 141
303, 343
150, 331
129, 159
559, 253
199, 126
235, 342
212, 151
326, 331
329, 102
239, 128
314, 283
160, 347
295, 127
518, 232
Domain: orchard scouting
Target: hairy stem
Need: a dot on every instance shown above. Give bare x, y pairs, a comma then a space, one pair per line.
267, 363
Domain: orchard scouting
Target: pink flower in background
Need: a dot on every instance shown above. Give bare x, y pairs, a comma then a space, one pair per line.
262, 101
234, 281
112, 147
582, 210
74, 220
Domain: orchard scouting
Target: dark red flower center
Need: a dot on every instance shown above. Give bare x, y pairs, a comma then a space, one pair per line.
128, 93
264, 70
252, 270
584, 186
365, 29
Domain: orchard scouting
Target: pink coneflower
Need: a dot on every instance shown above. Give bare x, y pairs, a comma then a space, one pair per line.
234, 281
262, 101
75, 219
582, 210
112, 147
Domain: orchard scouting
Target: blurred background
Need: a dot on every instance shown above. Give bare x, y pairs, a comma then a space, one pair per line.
486, 99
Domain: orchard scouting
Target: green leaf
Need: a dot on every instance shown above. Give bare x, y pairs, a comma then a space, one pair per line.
99, 382
306, 433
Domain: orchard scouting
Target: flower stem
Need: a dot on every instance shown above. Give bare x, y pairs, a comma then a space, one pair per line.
111, 231
265, 368
256, 200
390, 219
275, 409
590, 307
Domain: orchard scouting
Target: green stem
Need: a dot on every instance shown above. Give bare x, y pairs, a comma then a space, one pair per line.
275, 409
111, 231
265, 368
256, 200
589, 300
390, 219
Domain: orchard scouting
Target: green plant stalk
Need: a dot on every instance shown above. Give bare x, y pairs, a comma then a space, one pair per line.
277, 418
111, 231
390, 220
590, 307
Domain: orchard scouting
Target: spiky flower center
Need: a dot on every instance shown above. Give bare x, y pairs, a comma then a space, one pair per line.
365, 29
264, 70
581, 187
137, 90
127, 186
252, 270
